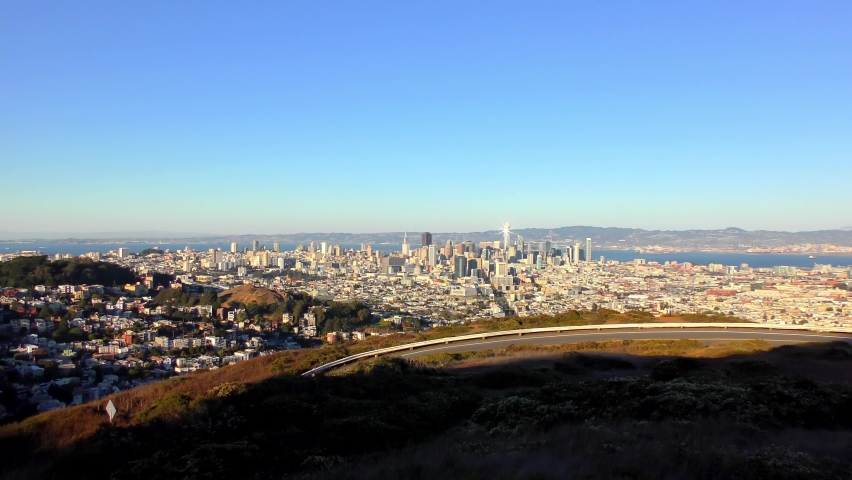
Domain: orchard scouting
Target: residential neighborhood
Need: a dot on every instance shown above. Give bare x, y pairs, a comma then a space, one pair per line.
191, 310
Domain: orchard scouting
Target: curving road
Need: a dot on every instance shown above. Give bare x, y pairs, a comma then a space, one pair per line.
707, 336
705, 332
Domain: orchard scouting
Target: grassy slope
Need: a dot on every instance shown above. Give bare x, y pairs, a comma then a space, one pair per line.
249, 293
60, 430
738, 417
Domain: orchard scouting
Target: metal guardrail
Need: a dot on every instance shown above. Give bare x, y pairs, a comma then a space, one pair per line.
585, 328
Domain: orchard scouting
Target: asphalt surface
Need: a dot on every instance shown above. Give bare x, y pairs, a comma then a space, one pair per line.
707, 336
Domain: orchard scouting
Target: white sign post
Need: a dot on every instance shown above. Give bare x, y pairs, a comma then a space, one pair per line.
110, 408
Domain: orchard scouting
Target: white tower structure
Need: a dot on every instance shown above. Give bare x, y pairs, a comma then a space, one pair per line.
507, 235
406, 248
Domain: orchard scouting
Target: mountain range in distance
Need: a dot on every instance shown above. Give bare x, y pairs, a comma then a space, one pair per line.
602, 236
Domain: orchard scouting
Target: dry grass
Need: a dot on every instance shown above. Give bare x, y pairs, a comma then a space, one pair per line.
727, 349
648, 348
249, 293
61, 429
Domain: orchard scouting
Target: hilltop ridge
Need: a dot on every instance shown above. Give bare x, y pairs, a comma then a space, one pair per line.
248, 293
610, 236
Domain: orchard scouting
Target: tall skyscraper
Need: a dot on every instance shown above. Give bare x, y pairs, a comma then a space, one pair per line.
255, 245
276, 247
589, 250
460, 267
507, 235
235, 247
468, 246
575, 256
432, 256
324, 247
406, 248
427, 239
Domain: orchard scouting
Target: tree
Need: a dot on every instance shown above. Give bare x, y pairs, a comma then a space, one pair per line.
299, 309
363, 315
59, 393
61, 333
208, 298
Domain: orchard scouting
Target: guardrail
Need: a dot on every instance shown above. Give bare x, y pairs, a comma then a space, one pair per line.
585, 328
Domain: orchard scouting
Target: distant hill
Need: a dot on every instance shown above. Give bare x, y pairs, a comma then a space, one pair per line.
249, 293
731, 237
27, 272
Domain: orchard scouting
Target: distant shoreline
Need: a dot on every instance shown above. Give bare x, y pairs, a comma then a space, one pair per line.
37, 243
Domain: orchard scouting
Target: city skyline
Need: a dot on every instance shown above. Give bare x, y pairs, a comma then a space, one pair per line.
301, 117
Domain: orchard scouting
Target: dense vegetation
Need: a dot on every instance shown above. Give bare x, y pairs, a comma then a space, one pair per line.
26, 272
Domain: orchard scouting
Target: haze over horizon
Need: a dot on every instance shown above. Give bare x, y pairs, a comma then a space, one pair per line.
379, 116
413, 234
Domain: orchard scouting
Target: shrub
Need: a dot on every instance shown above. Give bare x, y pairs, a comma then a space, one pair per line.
510, 378
169, 406
598, 362
752, 366
670, 369
227, 389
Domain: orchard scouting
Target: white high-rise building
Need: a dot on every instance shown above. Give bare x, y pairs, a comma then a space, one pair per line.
123, 252
589, 250
324, 247
575, 255
507, 235
501, 269
235, 247
432, 256
406, 248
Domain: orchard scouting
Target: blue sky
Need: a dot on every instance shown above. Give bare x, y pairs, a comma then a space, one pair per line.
284, 117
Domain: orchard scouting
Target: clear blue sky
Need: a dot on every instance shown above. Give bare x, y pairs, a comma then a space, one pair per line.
284, 117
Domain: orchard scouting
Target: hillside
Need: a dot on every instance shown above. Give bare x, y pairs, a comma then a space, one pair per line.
586, 413
26, 272
246, 294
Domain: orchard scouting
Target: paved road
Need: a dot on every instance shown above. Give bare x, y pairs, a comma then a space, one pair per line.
707, 336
